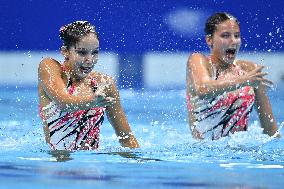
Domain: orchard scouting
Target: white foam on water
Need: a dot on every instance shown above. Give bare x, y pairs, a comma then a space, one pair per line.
21, 135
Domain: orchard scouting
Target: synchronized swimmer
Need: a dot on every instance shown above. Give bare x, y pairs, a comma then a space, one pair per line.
221, 90
74, 98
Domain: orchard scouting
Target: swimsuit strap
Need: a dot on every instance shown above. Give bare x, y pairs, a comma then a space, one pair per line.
70, 87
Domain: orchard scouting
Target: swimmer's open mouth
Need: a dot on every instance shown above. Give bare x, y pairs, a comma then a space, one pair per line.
86, 69
231, 52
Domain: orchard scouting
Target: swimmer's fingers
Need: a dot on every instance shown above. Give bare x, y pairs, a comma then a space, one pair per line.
267, 83
258, 79
101, 97
263, 81
254, 74
100, 91
261, 74
110, 100
104, 83
102, 87
258, 69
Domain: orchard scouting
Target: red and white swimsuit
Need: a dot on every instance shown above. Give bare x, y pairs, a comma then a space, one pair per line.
72, 130
229, 112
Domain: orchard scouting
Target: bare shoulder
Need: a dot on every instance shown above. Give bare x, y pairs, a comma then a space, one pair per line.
196, 61
196, 57
49, 63
246, 65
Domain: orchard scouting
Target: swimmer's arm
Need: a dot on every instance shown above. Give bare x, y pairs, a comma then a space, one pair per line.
264, 110
254, 75
52, 83
118, 120
205, 87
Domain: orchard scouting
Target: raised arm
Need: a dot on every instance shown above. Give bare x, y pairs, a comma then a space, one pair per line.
51, 82
201, 83
118, 120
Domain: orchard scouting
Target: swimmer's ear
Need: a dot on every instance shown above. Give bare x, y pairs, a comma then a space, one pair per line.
64, 51
209, 41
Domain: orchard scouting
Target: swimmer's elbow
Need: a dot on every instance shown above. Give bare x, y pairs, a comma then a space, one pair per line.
67, 105
64, 107
72, 106
201, 91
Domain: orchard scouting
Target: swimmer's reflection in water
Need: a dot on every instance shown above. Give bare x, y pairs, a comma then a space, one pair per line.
61, 155
65, 155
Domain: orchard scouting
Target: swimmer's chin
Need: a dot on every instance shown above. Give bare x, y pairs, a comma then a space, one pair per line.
229, 61
83, 75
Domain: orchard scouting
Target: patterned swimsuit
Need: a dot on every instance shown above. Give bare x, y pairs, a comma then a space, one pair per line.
228, 112
72, 130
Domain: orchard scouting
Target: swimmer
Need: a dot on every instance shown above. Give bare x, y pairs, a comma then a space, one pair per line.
73, 98
222, 90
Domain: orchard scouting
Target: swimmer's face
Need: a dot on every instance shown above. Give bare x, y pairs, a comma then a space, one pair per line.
226, 41
84, 55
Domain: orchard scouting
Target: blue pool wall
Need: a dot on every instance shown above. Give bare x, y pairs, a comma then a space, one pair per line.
152, 70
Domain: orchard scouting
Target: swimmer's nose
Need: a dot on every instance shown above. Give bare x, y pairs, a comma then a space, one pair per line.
88, 58
91, 59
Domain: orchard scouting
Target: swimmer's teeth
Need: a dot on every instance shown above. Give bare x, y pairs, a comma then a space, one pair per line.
231, 52
86, 69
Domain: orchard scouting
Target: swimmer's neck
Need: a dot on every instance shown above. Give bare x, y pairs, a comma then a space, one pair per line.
67, 66
219, 64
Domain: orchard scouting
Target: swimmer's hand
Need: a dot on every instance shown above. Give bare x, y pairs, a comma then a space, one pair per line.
277, 134
100, 97
256, 77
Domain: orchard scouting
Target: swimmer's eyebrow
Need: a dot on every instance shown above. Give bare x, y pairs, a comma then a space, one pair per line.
79, 48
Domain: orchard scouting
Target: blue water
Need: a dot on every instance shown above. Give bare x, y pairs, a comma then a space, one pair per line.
168, 158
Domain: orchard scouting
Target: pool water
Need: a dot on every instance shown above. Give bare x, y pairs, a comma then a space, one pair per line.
168, 158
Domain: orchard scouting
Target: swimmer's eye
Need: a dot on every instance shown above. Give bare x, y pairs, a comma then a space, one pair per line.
95, 52
225, 35
81, 52
228, 35
237, 35
84, 53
